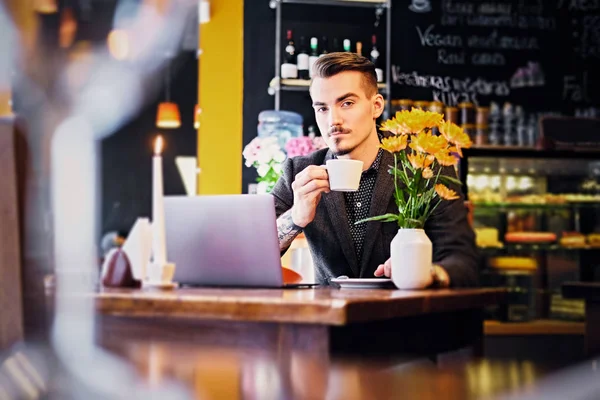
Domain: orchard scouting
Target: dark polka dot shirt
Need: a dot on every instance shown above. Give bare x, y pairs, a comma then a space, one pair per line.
359, 202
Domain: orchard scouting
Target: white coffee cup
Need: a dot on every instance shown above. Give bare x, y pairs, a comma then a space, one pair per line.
344, 175
160, 273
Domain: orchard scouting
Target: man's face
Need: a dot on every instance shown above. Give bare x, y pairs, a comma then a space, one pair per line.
345, 113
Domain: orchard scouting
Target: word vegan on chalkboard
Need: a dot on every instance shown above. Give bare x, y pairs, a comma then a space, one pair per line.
542, 54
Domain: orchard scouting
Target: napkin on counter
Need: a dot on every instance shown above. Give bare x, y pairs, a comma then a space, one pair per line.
138, 247
188, 169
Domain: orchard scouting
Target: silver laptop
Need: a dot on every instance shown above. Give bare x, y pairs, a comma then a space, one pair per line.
223, 240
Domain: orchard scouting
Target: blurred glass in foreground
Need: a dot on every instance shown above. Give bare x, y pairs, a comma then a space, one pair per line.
72, 86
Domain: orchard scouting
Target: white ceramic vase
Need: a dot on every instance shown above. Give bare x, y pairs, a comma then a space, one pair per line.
411, 253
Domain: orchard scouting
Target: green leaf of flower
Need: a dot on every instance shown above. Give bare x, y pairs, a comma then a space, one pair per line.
413, 223
383, 218
448, 180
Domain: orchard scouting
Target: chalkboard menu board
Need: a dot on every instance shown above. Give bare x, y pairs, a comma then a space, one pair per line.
541, 54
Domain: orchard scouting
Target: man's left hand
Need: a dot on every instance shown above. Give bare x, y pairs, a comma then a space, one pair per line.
439, 276
384, 269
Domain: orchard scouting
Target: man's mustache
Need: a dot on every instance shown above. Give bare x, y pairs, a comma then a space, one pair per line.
337, 129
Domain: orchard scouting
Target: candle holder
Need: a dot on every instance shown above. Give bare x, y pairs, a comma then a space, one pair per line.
159, 275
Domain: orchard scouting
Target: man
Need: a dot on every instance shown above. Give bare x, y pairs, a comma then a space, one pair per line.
346, 105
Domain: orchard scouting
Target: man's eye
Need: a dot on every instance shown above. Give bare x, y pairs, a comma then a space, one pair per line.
321, 109
347, 104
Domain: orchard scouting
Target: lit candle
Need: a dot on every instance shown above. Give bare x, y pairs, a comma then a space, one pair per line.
158, 208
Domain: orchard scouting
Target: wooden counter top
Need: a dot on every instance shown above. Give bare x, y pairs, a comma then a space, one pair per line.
326, 306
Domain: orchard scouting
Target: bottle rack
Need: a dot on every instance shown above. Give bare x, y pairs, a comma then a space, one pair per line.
278, 85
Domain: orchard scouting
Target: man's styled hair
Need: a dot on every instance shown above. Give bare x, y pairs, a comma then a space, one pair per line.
332, 64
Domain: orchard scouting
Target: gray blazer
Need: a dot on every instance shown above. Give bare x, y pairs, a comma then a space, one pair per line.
329, 237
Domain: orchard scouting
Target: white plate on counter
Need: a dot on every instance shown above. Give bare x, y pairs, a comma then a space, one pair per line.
363, 283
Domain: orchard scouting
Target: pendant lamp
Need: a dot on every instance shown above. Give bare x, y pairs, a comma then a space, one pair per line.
168, 116
45, 6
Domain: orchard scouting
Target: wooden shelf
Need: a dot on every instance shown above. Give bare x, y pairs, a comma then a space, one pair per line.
479, 206
529, 152
512, 248
304, 84
537, 327
350, 3
300, 84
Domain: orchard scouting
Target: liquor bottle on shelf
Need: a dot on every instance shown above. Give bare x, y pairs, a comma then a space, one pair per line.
521, 128
494, 124
374, 55
289, 68
347, 45
324, 49
359, 48
531, 131
302, 60
482, 125
314, 54
335, 47
510, 134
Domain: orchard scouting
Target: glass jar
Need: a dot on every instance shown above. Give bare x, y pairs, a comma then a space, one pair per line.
422, 104
452, 115
482, 116
469, 130
436, 106
282, 124
481, 134
405, 104
467, 113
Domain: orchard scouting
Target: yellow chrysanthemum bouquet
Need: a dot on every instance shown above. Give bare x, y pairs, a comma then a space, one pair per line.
419, 156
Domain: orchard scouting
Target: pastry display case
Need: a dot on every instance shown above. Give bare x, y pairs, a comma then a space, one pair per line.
536, 215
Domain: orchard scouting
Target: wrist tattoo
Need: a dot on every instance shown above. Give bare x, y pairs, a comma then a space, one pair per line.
287, 230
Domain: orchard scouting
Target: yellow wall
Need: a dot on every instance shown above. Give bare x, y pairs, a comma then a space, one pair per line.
220, 94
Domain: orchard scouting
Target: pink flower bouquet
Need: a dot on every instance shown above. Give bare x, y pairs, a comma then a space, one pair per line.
264, 154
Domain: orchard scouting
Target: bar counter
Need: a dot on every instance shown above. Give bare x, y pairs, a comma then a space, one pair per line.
322, 320
590, 292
